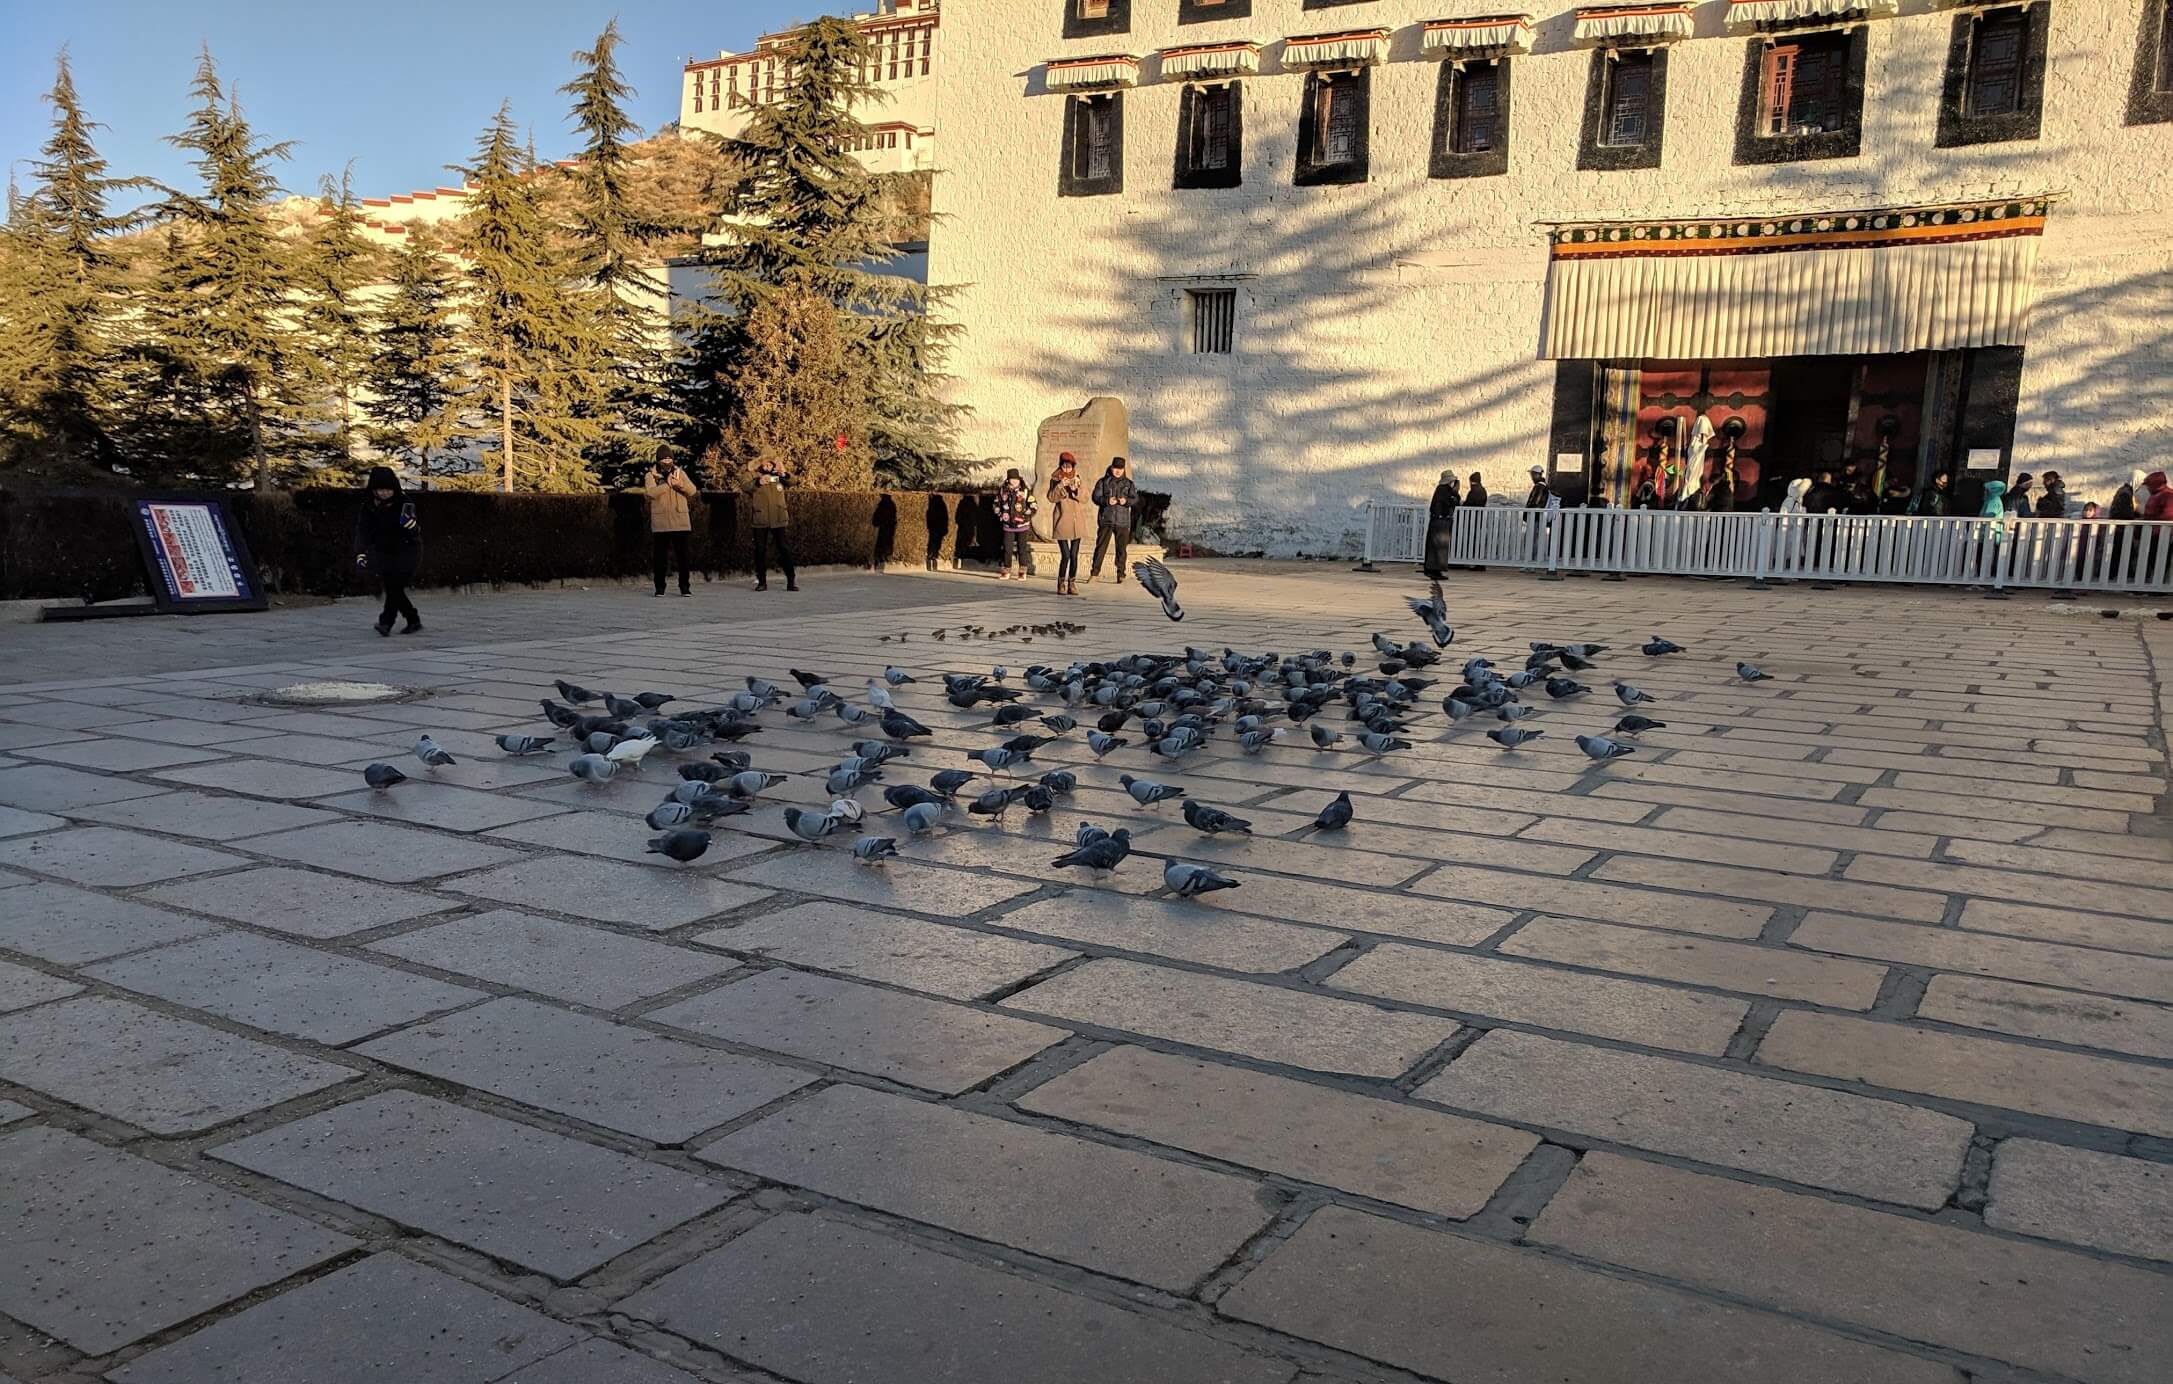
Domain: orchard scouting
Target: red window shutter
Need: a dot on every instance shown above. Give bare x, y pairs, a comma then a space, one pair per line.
1778, 90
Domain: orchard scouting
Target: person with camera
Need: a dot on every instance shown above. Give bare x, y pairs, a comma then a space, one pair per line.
1115, 496
668, 489
767, 498
389, 543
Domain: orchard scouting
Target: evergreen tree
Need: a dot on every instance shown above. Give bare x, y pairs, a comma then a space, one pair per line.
63, 292
413, 381
799, 388
535, 346
337, 265
614, 257
812, 220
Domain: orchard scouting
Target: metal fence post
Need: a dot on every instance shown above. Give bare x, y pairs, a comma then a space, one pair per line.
1761, 541
1553, 535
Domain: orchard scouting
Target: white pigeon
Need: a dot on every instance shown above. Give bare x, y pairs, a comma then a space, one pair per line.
846, 810
632, 751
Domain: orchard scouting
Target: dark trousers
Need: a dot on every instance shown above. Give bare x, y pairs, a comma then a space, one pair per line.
1067, 560
396, 601
676, 544
763, 538
1101, 545
1017, 548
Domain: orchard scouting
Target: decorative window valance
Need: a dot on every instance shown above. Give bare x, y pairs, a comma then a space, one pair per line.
1485, 36
1211, 60
1632, 26
1837, 283
1357, 48
1106, 70
1981, 4
1748, 16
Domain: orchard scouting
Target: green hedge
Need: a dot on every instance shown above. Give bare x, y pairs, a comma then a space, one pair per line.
77, 544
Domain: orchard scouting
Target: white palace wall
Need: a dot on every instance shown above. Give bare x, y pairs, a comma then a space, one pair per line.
1389, 329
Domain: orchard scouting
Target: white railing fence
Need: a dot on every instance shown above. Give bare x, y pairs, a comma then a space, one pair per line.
2075, 554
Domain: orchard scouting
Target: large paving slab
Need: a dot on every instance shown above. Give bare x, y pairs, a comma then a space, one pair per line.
1773, 972
1976, 953
100, 1248
541, 1200
568, 961
2038, 1011
442, 805
598, 1362
378, 850
812, 1299
386, 1318
266, 778
21, 987
110, 857
1124, 1213
301, 902
911, 952
832, 874
117, 756
931, 1044
613, 1075
1459, 1309
1158, 927
166, 1075
607, 891
204, 816
2030, 1305
60, 923
2084, 1197
55, 788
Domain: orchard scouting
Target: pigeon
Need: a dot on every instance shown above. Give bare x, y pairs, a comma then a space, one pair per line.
1382, 744
668, 814
852, 715
809, 681
905, 795
1457, 708
1159, 584
1514, 712
1601, 748
599, 741
1011, 713
1323, 737
921, 818
997, 758
592, 768
1087, 834
703, 773
1559, 687
1509, 737
579, 696
1434, 610
1059, 723
1062, 782
874, 850
622, 707
563, 717
692, 790
432, 754
1254, 741
526, 744
847, 811
1213, 820
1575, 662
710, 806
752, 783
735, 760
877, 751
898, 677
879, 697
809, 826
1036, 798
1750, 672
850, 778
1631, 696
949, 781
1656, 646
1102, 744
1336, 815
994, 803
632, 751
1103, 854
1190, 881
382, 776
1146, 792
1635, 725
681, 846
899, 726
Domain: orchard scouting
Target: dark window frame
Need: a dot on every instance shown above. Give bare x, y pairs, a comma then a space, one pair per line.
1594, 155
1200, 12
1310, 172
1752, 146
1071, 183
1331, 4
1189, 102
1214, 320
1957, 125
2150, 85
1117, 21
1444, 162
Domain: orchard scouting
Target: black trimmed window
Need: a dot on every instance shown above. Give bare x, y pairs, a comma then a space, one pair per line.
2150, 89
1333, 128
1214, 320
1093, 146
1994, 89
1471, 120
1625, 109
1332, 4
1208, 11
1087, 18
1210, 135
1803, 97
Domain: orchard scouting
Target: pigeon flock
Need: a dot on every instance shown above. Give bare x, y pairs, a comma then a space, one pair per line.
1154, 709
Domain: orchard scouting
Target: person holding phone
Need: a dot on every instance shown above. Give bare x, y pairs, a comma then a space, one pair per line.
389, 543
771, 516
1115, 496
668, 489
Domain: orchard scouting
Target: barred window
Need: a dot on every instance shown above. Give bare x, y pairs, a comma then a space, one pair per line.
1214, 320
1995, 63
1093, 155
1628, 117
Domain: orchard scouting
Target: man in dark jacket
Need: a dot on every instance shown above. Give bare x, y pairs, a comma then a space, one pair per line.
2053, 503
1938, 501
1115, 497
1475, 493
770, 517
389, 542
1537, 499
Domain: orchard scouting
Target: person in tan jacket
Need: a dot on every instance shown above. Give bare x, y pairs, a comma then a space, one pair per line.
766, 500
668, 489
1071, 519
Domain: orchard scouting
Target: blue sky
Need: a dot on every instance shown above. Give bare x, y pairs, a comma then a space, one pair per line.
401, 87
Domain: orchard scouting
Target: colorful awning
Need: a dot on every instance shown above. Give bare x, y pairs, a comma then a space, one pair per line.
1747, 16
1355, 48
1106, 70
1632, 26
1211, 60
1484, 36
1835, 283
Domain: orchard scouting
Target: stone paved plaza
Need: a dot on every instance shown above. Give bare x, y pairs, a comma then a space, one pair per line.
1827, 1040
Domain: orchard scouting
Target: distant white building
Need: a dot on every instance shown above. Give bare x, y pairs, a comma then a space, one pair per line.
720, 94
1325, 249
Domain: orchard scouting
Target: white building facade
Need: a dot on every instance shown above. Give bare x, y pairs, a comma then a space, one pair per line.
721, 94
1324, 250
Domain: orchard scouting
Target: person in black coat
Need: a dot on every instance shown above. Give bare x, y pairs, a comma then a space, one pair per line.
1441, 524
389, 542
1822, 496
1537, 499
1475, 493
1115, 499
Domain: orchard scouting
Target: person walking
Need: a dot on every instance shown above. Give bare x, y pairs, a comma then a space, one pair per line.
1539, 494
667, 489
1015, 516
766, 503
1069, 514
1441, 525
389, 542
1115, 497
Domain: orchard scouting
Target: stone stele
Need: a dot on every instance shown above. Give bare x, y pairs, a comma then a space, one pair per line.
1093, 433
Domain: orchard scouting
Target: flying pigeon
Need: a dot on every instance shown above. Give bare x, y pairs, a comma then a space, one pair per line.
579, 696
1434, 610
1750, 672
1601, 748
382, 776
432, 754
1103, 854
1634, 725
1159, 584
1146, 792
592, 768
1213, 820
1656, 646
1509, 737
809, 826
1631, 696
1189, 881
874, 850
526, 744
681, 846
1336, 815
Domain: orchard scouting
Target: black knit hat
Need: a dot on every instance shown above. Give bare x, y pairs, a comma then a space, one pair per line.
383, 478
